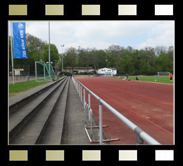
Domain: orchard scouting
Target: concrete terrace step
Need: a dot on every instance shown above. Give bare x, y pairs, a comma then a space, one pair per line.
20, 117
18, 101
33, 130
53, 131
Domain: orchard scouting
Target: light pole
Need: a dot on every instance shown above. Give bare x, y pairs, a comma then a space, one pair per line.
49, 47
49, 68
62, 56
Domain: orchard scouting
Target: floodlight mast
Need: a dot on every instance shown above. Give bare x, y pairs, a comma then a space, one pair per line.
62, 56
49, 46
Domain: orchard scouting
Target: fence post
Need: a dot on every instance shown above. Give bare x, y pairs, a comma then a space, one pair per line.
100, 122
91, 132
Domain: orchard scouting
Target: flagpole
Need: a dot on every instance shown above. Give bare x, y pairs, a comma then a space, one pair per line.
12, 51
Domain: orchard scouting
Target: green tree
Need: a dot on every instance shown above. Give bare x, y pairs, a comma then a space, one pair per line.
164, 63
54, 55
70, 58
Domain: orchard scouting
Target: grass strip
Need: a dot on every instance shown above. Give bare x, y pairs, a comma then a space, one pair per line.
156, 79
19, 87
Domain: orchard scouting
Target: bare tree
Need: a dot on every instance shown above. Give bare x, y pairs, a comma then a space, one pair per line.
159, 50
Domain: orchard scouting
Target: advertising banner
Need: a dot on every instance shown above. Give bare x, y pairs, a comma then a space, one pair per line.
19, 40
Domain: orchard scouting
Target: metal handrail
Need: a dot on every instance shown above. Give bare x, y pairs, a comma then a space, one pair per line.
141, 135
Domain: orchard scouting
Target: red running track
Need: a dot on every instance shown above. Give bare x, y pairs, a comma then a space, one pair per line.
148, 105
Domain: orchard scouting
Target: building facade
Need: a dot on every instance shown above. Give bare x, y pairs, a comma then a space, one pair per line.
79, 69
107, 72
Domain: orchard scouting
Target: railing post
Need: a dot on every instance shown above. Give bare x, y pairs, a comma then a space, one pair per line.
100, 122
91, 129
84, 104
78, 87
81, 93
89, 105
79, 90
90, 113
139, 141
84, 97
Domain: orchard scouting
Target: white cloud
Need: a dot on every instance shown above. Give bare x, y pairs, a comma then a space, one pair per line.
102, 34
38, 29
160, 35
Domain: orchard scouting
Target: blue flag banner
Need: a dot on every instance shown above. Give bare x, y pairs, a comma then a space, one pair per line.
19, 40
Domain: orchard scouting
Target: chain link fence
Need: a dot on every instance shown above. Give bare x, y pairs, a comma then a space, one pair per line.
22, 72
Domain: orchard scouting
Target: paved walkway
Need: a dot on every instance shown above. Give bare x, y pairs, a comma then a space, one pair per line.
73, 131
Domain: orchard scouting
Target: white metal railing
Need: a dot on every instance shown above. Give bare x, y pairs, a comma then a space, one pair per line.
141, 136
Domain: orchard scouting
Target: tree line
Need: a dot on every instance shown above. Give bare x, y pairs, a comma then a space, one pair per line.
146, 61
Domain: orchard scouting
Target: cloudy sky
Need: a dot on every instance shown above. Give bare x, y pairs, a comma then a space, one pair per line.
102, 34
